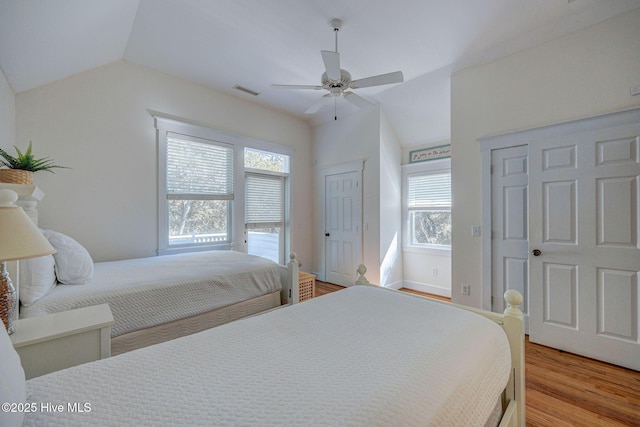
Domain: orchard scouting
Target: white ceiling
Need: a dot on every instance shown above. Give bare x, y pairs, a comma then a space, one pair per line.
256, 43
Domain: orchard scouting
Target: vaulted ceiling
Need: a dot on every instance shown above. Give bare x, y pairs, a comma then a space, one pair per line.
256, 43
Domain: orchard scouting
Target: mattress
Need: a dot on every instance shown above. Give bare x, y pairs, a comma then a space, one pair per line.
365, 356
147, 292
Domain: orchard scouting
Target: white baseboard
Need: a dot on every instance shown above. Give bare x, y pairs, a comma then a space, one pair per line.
395, 285
427, 288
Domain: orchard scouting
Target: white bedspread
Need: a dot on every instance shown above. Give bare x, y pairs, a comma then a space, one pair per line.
364, 356
146, 292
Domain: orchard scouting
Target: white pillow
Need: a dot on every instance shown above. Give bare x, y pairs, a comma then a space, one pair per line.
74, 265
37, 278
13, 388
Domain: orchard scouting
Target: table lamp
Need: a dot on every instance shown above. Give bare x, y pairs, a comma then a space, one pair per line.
19, 239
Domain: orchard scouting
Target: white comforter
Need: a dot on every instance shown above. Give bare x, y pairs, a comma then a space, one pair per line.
364, 356
146, 292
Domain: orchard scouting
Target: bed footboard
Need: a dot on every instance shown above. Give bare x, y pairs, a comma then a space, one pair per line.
512, 323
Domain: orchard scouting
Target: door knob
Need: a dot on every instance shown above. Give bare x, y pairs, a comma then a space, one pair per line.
536, 252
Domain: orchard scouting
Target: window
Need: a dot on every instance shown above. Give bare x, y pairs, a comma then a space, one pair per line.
428, 206
264, 160
203, 175
199, 191
265, 203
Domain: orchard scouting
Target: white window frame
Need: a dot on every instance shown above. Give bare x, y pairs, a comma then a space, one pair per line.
428, 167
165, 125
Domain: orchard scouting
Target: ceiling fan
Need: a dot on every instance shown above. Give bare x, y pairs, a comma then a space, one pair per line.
338, 81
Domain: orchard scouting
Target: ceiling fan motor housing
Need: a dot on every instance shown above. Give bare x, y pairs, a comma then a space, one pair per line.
331, 85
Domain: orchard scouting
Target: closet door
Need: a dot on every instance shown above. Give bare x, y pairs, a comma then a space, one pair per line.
584, 243
510, 225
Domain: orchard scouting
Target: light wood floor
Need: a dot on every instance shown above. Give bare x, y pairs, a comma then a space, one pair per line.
563, 389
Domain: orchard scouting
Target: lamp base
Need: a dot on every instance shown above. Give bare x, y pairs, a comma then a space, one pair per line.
8, 298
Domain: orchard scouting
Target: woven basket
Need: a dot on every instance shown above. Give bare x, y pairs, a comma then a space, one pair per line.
16, 176
307, 289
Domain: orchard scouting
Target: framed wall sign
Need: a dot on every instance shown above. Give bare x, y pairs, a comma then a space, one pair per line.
431, 153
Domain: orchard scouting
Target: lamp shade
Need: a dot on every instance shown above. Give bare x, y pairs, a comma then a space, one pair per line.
19, 236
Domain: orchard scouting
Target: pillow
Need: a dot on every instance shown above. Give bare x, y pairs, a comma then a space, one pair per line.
13, 388
74, 265
37, 278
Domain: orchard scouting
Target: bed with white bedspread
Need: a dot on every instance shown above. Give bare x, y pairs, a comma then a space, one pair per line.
364, 356
146, 292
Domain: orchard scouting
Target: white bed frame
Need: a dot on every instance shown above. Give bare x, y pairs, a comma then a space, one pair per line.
512, 323
190, 325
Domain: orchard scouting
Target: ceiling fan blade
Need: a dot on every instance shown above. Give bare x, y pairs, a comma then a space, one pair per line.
358, 101
331, 64
318, 104
381, 79
314, 87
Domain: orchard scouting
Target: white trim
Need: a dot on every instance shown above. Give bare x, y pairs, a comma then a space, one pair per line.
186, 128
427, 288
523, 136
445, 252
355, 166
395, 285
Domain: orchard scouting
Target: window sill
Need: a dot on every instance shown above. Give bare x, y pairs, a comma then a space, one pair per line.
427, 251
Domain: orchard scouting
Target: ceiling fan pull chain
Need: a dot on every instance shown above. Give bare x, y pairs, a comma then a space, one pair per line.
335, 108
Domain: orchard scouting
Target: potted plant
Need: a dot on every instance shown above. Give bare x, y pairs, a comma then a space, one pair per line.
20, 168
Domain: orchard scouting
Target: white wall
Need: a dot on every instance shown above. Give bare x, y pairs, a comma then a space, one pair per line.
7, 116
351, 138
97, 123
390, 205
585, 73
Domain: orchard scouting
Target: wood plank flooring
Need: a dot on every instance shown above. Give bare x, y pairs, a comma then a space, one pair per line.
564, 389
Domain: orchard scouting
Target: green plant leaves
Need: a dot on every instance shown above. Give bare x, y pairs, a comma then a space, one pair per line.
27, 161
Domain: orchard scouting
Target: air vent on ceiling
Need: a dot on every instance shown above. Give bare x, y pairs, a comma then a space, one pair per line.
245, 90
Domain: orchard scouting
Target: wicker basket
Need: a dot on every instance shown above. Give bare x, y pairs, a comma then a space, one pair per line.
16, 176
307, 286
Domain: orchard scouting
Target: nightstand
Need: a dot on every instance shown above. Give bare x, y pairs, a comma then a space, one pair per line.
61, 340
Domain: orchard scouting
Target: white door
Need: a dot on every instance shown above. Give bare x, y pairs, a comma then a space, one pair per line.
343, 230
510, 228
584, 215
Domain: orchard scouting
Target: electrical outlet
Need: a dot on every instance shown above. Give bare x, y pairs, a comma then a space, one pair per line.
635, 90
475, 230
435, 272
465, 289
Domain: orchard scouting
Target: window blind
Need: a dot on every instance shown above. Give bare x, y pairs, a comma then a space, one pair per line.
264, 200
198, 170
431, 191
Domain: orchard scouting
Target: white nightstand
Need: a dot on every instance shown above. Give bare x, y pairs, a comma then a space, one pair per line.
61, 340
